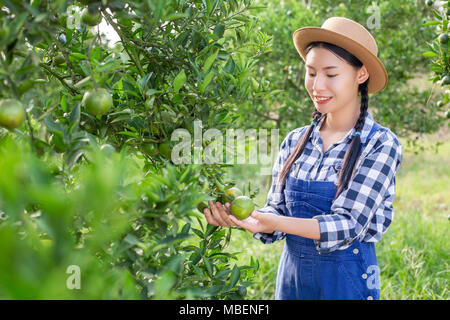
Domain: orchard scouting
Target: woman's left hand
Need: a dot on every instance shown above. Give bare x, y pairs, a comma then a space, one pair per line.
257, 222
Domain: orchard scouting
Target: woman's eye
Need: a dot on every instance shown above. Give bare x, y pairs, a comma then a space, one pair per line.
329, 76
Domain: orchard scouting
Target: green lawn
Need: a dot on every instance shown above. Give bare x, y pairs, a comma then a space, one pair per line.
414, 253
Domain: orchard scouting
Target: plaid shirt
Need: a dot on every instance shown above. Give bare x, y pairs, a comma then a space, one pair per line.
362, 211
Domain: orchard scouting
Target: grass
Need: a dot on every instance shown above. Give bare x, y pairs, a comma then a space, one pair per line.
413, 254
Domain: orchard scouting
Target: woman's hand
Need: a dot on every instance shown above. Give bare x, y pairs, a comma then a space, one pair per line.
257, 222
219, 215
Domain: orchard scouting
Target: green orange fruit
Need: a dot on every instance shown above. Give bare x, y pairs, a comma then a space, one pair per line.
164, 150
59, 60
231, 194
150, 149
242, 207
202, 206
97, 101
443, 38
91, 18
12, 113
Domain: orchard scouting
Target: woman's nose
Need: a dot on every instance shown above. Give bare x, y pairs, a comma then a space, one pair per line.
319, 83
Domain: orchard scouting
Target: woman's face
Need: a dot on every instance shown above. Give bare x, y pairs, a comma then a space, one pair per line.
329, 76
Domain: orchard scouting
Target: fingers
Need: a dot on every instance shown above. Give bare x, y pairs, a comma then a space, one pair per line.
239, 223
220, 214
209, 217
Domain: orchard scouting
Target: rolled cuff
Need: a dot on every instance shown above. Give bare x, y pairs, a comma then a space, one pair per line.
335, 233
268, 238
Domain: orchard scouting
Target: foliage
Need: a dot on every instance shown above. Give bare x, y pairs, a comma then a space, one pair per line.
176, 61
438, 52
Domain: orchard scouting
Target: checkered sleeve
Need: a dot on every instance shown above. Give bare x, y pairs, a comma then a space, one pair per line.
275, 198
354, 209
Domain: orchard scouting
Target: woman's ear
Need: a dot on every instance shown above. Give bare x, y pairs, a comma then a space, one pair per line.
362, 75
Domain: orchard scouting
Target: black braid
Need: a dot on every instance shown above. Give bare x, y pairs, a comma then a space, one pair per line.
354, 149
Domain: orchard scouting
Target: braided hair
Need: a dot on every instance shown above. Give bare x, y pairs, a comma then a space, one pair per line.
353, 152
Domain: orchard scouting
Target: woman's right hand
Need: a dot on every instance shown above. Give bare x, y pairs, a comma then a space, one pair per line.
219, 214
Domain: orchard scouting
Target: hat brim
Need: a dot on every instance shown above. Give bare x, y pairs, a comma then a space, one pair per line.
377, 72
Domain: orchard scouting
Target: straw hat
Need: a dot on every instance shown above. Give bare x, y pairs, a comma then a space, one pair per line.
350, 36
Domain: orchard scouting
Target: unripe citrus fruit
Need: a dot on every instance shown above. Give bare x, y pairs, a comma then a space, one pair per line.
231, 194
59, 60
97, 101
202, 206
164, 150
150, 149
443, 38
12, 113
91, 19
242, 207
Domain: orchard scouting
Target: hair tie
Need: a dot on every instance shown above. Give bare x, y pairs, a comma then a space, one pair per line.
357, 133
314, 123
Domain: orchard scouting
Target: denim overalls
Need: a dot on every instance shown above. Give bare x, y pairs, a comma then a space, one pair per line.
303, 272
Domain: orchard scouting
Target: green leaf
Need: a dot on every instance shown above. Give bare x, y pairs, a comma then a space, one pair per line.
431, 23
186, 228
230, 65
222, 273
179, 81
73, 156
64, 103
209, 61
77, 56
53, 127
175, 16
219, 30
74, 117
208, 265
202, 85
429, 54
198, 232
186, 175
234, 278
210, 229
129, 133
437, 15
122, 117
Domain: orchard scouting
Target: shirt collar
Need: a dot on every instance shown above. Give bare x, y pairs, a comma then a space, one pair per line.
368, 123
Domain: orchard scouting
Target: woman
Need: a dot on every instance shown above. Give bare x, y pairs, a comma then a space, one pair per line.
334, 180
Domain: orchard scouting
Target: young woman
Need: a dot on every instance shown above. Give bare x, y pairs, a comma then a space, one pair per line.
334, 180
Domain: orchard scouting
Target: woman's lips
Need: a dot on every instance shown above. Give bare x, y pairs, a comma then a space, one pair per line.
322, 101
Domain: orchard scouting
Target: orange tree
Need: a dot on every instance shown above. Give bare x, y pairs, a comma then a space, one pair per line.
438, 51
86, 100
